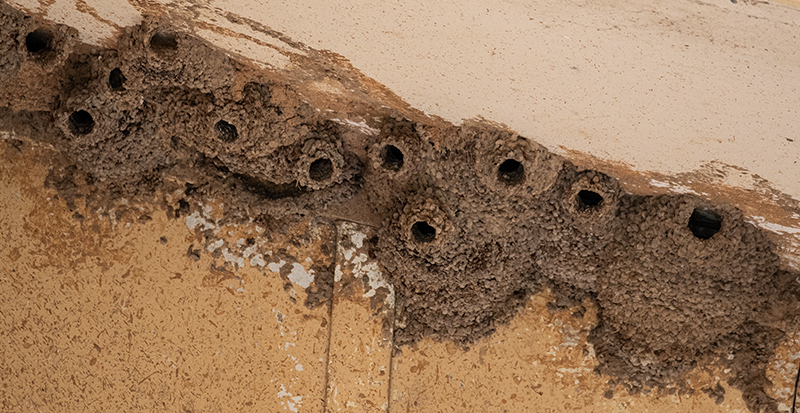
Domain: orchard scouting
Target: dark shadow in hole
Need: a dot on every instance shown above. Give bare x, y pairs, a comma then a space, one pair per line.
704, 223
392, 157
511, 172
164, 42
81, 122
226, 132
270, 190
116, 80
39, 41
589, 199
422, 232
321, 169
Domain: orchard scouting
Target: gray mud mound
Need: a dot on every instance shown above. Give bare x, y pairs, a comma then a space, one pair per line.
470, 220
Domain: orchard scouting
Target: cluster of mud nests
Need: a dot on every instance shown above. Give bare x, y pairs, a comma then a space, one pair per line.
469, 221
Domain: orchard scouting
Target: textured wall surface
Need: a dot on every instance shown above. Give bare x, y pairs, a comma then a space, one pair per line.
694, 97
405, 236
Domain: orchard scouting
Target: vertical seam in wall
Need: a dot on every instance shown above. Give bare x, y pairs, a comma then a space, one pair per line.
391, 352
335, 226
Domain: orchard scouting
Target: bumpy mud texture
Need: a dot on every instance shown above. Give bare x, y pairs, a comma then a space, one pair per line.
469, 220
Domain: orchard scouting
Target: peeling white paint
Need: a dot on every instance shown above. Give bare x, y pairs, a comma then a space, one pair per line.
681, 189
276, 266
258, 260
358, 239
293, 402
214, 245
195, 219
779, 229
232, 258
362, 266
300, 276
361, 126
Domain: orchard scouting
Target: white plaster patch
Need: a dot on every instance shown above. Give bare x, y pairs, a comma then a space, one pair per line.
348, 253
377, 280
258, 260
293, 402
681, 189
195, 220
358, 239
232, 258
780, 229
276, 266
361, 126
214, 245
249, 251
300, 276
337, 273
362, 266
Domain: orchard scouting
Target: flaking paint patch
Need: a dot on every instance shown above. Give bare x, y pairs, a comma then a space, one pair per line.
202, 219
776, 228
276, 266
293, 403
782, 371
258, 260
300, 276
360, 126
677, 188
363, 266
215, 245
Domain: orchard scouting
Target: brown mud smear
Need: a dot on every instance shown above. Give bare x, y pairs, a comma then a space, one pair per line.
469, 221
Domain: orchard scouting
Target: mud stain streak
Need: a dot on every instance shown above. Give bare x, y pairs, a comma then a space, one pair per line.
258, 27
236, 35
83, 7
148, 7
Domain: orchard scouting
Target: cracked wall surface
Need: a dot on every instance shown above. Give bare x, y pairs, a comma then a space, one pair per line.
468, 222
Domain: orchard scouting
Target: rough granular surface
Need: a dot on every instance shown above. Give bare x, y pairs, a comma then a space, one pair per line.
469, 220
